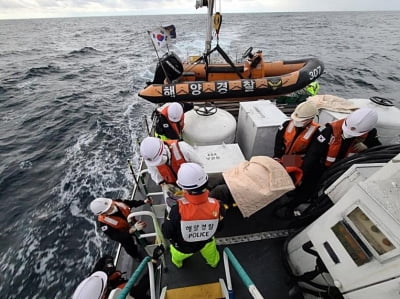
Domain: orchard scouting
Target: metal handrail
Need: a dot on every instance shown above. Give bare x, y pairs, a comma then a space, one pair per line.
158, 234
147, 260
135, 276
229, 257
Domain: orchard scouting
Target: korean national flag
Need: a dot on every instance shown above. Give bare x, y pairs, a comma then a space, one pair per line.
162, 36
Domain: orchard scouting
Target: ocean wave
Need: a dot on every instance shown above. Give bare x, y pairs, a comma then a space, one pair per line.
83, 52
41, 71
69, 77
394, 78
74, 96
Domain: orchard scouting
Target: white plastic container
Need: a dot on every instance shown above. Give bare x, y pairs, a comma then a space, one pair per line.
216, 127
388, 125
258, 123
218, 158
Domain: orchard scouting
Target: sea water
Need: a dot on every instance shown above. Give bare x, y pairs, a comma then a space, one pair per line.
70, 117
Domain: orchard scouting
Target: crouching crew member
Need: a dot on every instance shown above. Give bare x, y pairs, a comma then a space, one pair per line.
163, 158
191, 224
337, 140
170, 120
112, 219
295, 135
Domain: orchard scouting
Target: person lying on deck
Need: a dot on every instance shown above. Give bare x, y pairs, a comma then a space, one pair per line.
254, 184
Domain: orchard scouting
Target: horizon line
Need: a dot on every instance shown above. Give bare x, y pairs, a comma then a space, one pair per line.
173, 14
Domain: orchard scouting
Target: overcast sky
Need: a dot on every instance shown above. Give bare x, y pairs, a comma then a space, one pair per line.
16, 9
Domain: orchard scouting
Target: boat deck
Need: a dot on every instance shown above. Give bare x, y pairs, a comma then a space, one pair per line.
262, 261
256, 242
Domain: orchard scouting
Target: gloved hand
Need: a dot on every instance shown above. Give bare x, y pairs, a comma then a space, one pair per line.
157, 252
139, 225
169, 188
175, 193
165, 187
360, 147
148, 201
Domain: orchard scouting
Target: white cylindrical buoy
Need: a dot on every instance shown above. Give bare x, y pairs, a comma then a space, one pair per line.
209, 126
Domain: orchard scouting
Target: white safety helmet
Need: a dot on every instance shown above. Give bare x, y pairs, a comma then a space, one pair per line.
92, 287
304, 111
360, 122
191, 176
152, 150
175, 112
100, 205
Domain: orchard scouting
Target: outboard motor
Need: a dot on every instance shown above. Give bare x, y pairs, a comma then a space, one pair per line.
169, 67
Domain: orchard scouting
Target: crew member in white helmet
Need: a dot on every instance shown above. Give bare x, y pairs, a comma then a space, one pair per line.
106, 281
163, 158
92, 287
295, 135
192, 223
170, 120
337, 140
112, 218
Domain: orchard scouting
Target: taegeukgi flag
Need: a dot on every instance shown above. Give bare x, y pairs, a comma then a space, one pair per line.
162, 36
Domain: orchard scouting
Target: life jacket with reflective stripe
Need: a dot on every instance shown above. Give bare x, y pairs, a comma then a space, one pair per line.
199, 216
299, 144
177, 127
169, 170
117, 222
336, 143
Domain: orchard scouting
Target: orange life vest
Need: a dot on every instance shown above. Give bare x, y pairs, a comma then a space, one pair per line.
296, 174
336, 143
115, 279
199, 216
177, 129
169, 171
300, 144
117, 222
